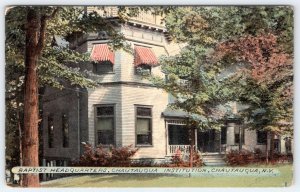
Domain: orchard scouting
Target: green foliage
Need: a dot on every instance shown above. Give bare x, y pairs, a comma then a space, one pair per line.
106, 157
201, 83
56, 64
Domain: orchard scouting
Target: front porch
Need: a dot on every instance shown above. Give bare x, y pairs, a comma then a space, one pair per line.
178, 138
206, 142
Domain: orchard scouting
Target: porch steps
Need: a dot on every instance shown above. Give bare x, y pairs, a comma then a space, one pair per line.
213, 159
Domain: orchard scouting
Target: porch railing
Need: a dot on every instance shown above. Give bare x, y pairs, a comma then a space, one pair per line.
184, 149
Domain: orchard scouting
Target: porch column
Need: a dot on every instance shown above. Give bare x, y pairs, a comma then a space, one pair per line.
230, 134
282, 146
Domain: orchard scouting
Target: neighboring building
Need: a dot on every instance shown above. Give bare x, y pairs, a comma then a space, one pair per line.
126, 109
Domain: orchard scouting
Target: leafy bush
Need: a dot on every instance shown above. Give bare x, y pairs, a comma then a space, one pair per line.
105, 157
243, 157
178, 161
281, 158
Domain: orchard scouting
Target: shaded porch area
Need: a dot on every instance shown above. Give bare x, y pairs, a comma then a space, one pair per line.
178, 139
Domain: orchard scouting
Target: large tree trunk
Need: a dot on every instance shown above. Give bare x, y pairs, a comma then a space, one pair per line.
30, 138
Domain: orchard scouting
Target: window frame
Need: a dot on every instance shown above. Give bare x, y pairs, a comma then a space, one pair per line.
105, 116
144, 67
151, 125
99, 63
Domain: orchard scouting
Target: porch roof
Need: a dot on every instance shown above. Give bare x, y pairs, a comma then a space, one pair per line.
174, 113
177, 113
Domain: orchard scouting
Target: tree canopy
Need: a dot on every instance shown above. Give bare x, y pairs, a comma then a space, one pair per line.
33, 61
233, 53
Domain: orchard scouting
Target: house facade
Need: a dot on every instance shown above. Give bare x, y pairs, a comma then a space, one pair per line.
126, 109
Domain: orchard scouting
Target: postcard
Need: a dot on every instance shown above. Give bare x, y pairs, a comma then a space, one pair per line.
149, 96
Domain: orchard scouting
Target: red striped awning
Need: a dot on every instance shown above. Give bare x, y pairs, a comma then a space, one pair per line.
101, 52
144, 55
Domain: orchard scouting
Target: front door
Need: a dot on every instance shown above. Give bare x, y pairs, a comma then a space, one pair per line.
208, 140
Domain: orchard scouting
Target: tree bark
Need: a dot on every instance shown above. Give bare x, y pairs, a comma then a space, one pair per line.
35, 41
30, 140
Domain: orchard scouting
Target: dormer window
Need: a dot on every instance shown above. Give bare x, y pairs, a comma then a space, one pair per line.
103, 59
144, 60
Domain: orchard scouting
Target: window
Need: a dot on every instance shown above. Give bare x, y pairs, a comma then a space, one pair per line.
143, 70
50, 131
105, 125
143, 126
223, 135
103, 58
65, 130
261, 137
288, 145
237, 135
103, 67
144, 59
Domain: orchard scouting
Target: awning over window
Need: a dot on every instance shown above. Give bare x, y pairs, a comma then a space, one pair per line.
144, 55
101, 52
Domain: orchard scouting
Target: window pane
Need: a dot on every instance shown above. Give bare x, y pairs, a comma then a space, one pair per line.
143, 126
103, 67
261, 137
105, 137
107, 110
143, 70
104, 123
144, 139
142, 111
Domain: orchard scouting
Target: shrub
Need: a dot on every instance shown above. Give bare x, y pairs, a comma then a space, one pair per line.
178, 161
281, 158
243, 157
104, 157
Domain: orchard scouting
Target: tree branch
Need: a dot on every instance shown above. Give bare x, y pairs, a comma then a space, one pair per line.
44, 18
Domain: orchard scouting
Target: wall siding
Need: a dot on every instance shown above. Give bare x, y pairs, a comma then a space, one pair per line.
132, 96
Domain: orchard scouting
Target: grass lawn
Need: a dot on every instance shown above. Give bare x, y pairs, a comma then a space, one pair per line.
148, 180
